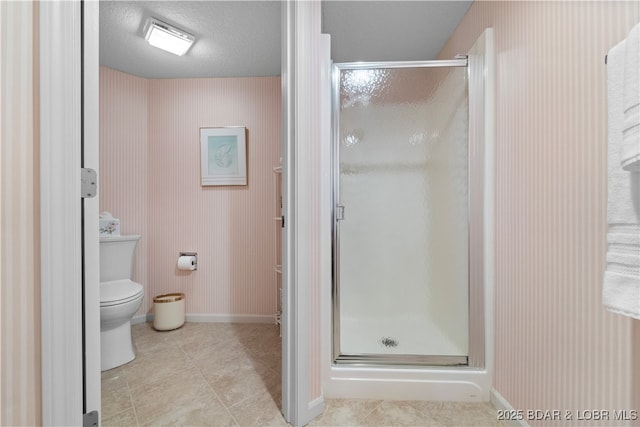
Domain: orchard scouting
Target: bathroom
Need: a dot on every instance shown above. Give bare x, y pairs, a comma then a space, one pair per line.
554, 345
172, 193
150, 129
159, 186
148, 151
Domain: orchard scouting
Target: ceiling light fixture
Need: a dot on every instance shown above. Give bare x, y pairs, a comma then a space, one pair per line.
167, 37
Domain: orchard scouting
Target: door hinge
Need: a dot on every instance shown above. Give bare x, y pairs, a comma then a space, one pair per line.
89, 183
90, 419
339, 212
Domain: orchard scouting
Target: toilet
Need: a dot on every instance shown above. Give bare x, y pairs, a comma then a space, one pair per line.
120, 298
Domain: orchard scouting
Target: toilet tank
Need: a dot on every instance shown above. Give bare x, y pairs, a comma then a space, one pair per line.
116, 257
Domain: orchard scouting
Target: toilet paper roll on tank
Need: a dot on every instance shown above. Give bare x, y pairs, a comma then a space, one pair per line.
187, 262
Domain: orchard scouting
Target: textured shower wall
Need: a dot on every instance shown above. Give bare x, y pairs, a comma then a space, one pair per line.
400, 273
150, 178
556, 347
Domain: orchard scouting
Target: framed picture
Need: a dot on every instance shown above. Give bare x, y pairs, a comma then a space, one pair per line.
223, 156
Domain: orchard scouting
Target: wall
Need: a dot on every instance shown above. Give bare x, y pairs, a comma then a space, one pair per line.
231, 228
20, 388
150, 157
124, 142
556, 347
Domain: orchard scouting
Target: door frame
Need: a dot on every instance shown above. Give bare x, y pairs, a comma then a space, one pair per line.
475, 354
64, 397
60, 213
436, 383
69, 225
303, 54
91, 205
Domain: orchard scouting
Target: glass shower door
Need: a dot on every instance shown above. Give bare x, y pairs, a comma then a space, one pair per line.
401, 289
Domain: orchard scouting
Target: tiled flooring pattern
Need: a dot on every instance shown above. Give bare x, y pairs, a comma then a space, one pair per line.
217, 374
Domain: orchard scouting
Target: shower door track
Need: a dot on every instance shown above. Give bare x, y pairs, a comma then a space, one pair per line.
337, 215
401, 360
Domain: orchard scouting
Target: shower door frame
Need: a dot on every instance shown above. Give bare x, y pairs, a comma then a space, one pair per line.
475, 355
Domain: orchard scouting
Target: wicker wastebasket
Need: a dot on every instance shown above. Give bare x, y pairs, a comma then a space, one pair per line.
168, 311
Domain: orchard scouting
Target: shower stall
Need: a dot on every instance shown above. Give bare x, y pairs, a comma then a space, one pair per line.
409, 196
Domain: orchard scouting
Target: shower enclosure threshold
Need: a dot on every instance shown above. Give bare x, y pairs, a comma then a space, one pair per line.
460, 383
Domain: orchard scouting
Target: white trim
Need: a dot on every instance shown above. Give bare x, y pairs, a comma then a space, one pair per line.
326, 224
324, 216
301, 42
61, 305
501, 404
316, 407
230, 318
354, 382
213, 318
485, 44
91, 118
294, 386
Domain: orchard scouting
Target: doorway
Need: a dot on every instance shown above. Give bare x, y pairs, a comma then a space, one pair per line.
150, 158
59, 371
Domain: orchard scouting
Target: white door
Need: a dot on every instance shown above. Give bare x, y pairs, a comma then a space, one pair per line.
69, 255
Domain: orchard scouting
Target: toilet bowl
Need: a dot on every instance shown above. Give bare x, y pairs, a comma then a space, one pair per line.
120, 298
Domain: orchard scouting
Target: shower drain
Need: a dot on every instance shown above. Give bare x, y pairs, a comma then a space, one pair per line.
388, 342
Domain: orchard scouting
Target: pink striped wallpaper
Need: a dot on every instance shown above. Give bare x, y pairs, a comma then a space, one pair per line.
556, 347
123, 175
20, 331
231, 228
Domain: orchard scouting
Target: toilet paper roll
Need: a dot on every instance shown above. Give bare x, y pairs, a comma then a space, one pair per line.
187, 263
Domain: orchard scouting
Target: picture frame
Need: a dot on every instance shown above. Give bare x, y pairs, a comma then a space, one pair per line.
223, 156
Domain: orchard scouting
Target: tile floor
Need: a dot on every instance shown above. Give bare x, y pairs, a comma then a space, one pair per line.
217, 374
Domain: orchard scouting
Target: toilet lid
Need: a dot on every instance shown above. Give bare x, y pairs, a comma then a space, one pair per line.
119, 292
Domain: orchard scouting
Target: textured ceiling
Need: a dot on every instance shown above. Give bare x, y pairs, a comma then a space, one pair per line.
236, 38
242, 38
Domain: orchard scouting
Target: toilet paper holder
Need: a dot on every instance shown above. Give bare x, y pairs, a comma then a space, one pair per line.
193, 254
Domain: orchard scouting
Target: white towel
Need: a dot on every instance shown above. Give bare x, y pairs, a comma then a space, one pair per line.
630, 160
621, 287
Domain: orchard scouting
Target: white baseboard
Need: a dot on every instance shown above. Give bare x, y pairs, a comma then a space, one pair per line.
316, 408
212, 318
230, 318
501, 404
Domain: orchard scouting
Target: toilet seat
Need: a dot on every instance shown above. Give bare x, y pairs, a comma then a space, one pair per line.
119, 292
